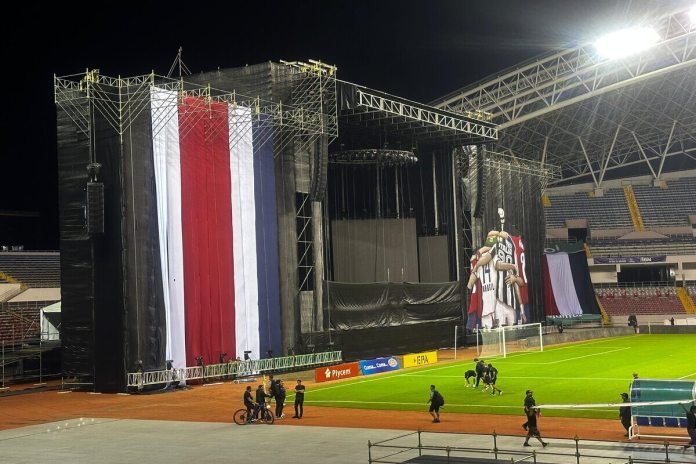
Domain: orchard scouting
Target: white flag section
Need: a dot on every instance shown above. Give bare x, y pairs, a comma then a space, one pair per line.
167, 160
562, 284
612, 405
246, 292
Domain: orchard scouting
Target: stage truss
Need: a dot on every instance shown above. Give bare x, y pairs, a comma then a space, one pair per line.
591, 115
403, 118
309, 115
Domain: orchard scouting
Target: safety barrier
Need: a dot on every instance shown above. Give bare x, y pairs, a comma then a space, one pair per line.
232, 369
445, 447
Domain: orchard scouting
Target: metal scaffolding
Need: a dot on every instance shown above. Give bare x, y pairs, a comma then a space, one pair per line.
310, 114
401, 117
232, 369
590, 114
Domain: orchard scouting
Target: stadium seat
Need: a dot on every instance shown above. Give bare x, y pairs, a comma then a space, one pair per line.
671, 422
682, 422
641, 420
657, 422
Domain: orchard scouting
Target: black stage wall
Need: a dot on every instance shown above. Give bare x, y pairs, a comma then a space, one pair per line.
113, 311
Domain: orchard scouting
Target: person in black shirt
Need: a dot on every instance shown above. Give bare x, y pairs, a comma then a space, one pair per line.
529, 404
261, 396
480, 368
486, 378
493, 379
691, 426
249, 403
273, 391
436, 401
625, 413
533, 428
280, 399
470, 374
299, 400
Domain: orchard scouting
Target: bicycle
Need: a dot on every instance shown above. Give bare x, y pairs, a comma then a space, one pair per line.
266, 416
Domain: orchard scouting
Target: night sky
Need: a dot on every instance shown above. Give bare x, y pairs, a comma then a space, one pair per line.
416, 49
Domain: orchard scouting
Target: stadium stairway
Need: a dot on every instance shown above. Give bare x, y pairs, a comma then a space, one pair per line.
633, 208
686, 301
605, 316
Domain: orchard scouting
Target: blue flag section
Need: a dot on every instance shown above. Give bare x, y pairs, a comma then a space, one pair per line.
377, 365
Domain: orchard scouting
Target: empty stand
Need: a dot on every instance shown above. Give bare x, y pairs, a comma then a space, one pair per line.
8, 291
671, 247
20, 321
666, 207
622, 301
34, 269
607, 212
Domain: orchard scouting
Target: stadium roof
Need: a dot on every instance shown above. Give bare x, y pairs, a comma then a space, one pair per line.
590, 114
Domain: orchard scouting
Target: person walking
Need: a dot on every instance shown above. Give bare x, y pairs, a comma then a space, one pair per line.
436, 402
529, 404
625, 414
691, 426
533, 429
299, 400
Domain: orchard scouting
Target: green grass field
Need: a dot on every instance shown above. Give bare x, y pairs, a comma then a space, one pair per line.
595, 371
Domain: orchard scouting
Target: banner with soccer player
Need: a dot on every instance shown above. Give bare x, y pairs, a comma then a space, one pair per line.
498, 281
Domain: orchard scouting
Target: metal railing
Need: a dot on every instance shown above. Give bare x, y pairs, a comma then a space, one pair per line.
411, 446
232, 369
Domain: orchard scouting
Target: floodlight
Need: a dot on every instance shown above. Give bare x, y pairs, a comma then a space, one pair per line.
692, 15
626, 42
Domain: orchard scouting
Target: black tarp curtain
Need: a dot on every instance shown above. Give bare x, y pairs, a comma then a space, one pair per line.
113, 312
388, 304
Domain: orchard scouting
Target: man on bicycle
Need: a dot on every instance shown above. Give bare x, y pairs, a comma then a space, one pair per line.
249, 404
261, 396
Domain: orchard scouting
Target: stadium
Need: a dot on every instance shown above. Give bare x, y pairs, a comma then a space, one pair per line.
221, 228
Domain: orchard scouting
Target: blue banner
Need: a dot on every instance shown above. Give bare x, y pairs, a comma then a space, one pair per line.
373, 366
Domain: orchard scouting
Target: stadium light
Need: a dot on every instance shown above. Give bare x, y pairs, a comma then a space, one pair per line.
692, 15
626, 42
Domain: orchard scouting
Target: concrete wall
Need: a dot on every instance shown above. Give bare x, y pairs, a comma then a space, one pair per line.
577, 335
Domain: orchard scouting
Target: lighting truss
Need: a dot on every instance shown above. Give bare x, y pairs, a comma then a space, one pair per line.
404, 117
546, 173
590, 114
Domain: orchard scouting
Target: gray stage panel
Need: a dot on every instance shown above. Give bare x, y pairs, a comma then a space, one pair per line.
433, 259
374, 250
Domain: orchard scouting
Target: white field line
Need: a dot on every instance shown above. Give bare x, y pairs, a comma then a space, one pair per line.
424, 404
567, 347
687, 376
570, 359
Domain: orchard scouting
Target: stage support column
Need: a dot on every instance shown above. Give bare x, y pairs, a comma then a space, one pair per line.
287, 248
318, 249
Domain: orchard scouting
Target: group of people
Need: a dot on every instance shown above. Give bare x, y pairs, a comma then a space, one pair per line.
485, 373
531, 411
276, 391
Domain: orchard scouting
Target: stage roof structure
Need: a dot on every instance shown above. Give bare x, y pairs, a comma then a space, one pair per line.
408, 119
591, 114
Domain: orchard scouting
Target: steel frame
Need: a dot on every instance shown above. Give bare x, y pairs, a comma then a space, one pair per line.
232, 368
591, 115
421, 121
120, 100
